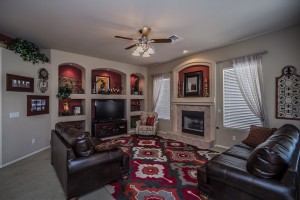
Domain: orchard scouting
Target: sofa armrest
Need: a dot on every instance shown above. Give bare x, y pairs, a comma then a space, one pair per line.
95, 160
232, 171
201, 174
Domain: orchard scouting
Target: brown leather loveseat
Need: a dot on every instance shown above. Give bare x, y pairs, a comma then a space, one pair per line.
268, 172
79, 168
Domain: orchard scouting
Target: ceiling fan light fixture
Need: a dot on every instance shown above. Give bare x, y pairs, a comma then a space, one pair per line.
135, 53
150, 50
146, 55
139, 49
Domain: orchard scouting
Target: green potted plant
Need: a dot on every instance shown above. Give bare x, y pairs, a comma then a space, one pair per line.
27, 50
64, 93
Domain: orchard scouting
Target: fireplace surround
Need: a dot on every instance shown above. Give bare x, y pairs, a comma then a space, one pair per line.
205, 104
192, 122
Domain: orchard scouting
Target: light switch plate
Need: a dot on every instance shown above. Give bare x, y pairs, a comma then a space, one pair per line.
14, 114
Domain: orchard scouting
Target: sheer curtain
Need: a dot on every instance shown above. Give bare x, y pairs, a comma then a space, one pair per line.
157, 81
248, 71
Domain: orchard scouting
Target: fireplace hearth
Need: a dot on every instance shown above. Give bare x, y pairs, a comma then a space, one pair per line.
193, 122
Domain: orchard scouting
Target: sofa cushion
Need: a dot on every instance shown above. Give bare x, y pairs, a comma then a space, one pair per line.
83, 145
109, 145
238, 152
258, 135
271, 158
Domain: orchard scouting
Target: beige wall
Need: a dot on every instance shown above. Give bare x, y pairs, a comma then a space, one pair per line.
1, 108
283, 48
17, 133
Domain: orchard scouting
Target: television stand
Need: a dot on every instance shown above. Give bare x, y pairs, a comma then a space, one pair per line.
101, 129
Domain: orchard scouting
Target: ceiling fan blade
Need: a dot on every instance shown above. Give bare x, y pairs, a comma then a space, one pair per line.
131, 46
126, 38
161, 40
145, 31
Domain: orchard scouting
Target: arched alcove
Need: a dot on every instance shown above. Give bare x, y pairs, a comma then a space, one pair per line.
137, 84
73, 75
207, 77
108, 81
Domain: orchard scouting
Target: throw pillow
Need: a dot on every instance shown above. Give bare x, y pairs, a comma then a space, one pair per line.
105, 146
150, 121
258, 135
144, 117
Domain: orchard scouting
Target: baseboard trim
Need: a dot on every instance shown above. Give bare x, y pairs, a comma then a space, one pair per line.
23, 157
220, 146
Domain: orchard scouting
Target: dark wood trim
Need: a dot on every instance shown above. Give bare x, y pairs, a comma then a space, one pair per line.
19, 83
37, 105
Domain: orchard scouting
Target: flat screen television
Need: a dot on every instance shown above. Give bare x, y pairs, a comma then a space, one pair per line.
109, 109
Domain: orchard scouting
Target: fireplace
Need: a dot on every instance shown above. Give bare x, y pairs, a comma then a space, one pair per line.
193, 122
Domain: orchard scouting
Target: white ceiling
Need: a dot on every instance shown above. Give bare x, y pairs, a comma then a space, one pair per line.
88, 27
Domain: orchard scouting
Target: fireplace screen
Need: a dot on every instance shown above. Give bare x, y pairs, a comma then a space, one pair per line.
193, 122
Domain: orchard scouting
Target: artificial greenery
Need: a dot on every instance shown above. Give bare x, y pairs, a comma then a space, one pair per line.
64, 92
27, 50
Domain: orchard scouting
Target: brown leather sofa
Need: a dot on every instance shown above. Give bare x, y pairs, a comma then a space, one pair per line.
269, 171
79, 168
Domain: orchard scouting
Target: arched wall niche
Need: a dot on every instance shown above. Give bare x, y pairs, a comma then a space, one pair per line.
137, 84
117, 80
74, 75
208, 68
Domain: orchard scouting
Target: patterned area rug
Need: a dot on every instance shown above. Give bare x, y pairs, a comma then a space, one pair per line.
160, 169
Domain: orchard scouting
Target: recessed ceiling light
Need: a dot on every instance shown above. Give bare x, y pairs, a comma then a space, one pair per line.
185, 51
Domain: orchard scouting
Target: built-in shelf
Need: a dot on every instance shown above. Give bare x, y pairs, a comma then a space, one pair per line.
127, 85
107, 96
135, 113
133, 120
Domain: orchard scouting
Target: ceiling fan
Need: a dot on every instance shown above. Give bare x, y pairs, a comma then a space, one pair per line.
143, 44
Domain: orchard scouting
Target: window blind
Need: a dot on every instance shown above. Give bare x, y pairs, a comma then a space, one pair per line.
163, 103
236, 113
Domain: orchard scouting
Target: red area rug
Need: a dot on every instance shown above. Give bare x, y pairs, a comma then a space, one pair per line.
160, 169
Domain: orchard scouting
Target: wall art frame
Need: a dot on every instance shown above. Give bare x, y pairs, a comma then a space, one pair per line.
288, 94
37, 105
193, 84
102, 84
18, 83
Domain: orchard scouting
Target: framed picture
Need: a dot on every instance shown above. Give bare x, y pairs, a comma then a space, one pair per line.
37, 105
102, 84
193, 84
287, 94
77, 110
19, 83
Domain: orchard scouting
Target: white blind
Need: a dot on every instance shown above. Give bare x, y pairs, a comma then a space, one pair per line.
163, 102
236, 113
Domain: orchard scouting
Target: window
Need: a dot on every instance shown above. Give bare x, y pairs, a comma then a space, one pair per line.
163, 102
237, 113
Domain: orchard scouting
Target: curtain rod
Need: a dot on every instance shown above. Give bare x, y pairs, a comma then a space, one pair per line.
262, 53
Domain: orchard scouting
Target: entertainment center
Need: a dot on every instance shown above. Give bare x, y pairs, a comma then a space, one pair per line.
109, 118
103, 129
110, 100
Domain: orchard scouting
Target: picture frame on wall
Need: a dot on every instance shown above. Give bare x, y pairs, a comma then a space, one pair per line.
288, 94
37, 105
19, 83
102, 84
193, 84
